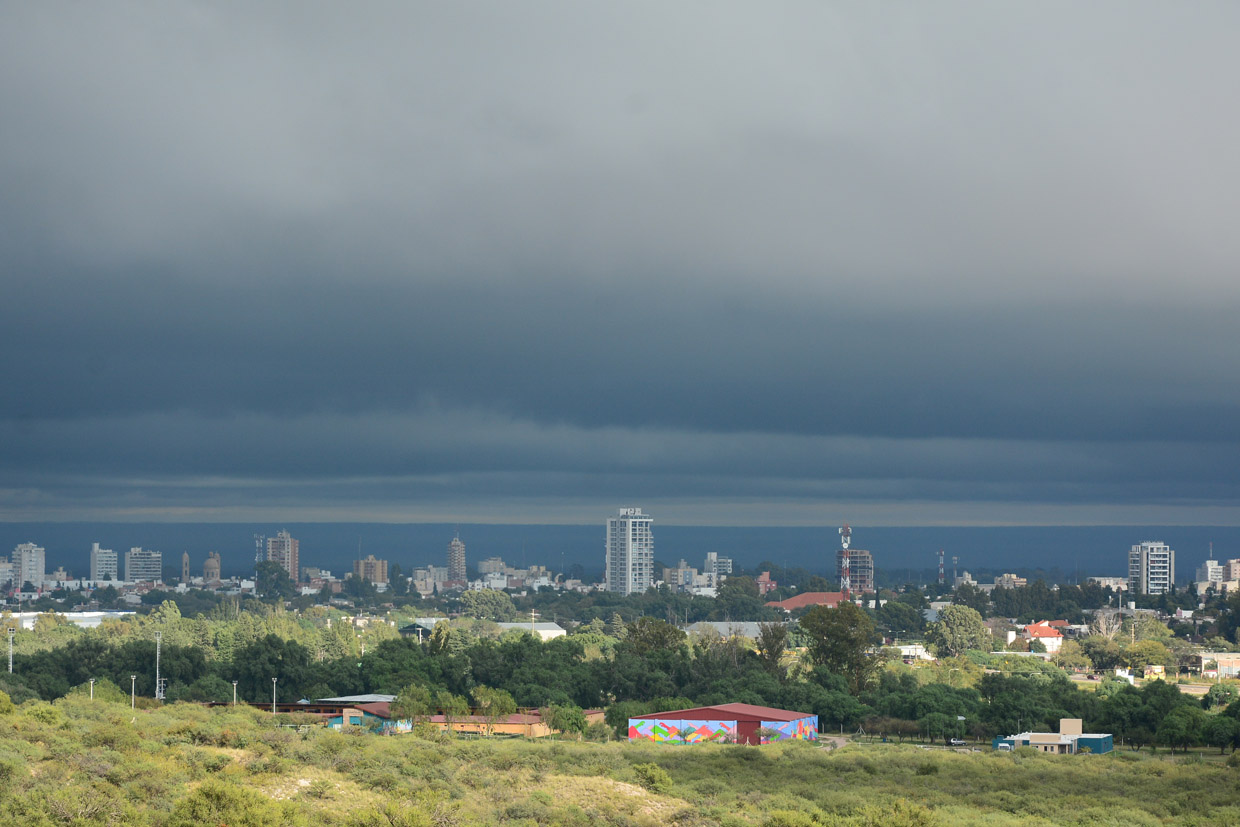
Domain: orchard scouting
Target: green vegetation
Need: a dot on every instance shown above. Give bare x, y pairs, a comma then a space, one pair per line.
84, 763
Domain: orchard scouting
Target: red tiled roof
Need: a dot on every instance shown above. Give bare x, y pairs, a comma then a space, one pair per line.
1042, 629
800, 601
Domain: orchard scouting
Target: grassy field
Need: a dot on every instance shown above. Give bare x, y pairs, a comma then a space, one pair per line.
79, 762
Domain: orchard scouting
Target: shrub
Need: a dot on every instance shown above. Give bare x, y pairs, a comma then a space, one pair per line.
928, 769
216, 802
653, 777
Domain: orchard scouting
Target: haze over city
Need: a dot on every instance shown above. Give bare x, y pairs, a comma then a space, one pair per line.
737, 265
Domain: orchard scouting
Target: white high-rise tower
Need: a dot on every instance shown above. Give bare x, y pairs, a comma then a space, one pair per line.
629, 564
1151, 568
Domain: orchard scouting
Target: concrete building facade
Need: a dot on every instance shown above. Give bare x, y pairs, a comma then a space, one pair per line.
284, 549
104, 564
1151, 568
629, 561
376, 571
143, 565
456, 559
29, 565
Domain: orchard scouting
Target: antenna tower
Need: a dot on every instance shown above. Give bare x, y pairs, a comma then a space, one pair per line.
941, 578
955, 574
260, 548
159, 682
844, 556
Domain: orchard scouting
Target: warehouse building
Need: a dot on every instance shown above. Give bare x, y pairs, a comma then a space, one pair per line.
726, 724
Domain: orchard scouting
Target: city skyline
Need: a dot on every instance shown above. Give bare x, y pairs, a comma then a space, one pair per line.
748, 266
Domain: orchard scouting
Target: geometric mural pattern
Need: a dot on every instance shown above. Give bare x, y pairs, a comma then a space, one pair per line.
802, 729
669, 731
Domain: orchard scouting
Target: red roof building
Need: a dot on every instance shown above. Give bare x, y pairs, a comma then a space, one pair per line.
1051, 637
724, 723
828, 599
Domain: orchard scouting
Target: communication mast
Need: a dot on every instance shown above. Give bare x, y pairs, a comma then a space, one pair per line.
159, 682
941, 578
955, 574
845, 578
260, 548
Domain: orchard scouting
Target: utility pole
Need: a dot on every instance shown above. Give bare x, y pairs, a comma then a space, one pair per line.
234, 693
92, 689
273, 696
133, 692
12, 632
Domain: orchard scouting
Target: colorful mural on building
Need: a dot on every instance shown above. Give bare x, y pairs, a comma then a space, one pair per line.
802, 729
681, 732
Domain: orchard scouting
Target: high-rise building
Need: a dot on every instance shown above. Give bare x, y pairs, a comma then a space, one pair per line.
1210, 572
143, 566
185, 567
491, 565
6, 573
103, 564
282, 549
456, 559
1151, 568
29, 565
211, 568
376, 571
629, 563
860, 569
1231, 570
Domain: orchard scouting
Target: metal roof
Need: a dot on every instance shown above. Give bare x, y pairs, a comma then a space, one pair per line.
729, 712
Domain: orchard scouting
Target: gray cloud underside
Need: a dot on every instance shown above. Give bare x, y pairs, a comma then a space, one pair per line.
557, 255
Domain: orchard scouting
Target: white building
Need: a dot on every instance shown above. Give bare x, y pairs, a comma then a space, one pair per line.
6, 571
29, 565
103, 564
1210, 572
1151, 568
144, 566
629, 564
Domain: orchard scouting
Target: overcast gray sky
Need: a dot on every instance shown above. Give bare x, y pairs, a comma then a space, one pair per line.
745, 263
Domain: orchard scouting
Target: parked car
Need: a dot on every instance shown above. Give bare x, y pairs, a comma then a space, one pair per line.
958, 742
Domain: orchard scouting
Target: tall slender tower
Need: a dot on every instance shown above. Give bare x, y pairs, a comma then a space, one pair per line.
456, 559
628, 566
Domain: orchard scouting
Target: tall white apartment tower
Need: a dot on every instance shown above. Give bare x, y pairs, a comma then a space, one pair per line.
103, 564
629, 565
1151, 568
29, 565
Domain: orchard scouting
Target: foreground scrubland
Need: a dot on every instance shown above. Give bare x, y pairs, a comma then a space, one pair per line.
83, 762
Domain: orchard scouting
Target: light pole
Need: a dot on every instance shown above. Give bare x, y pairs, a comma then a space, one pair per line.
133, 692
92, 689
12, 632
273, 696
234, 693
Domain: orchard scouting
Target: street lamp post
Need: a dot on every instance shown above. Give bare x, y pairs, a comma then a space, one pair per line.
92, 689
12, 632
273, 696
133, 692
234, 693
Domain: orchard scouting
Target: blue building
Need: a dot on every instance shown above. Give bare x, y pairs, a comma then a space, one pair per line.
1068, 741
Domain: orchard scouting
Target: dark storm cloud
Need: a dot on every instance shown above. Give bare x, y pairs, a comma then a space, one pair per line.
565, 255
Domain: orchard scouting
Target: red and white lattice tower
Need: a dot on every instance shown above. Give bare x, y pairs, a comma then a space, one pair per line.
845, 578
941, 578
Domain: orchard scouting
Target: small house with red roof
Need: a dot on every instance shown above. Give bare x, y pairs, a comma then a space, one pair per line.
1044, 631
724, 723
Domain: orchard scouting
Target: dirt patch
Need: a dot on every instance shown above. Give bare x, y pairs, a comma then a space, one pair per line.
587, 791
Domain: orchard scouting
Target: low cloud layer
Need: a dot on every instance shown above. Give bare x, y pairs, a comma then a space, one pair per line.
741, 265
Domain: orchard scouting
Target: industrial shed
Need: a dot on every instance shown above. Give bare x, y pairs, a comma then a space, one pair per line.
725, 723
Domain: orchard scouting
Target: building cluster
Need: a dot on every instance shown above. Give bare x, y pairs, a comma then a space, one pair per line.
1222, 577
